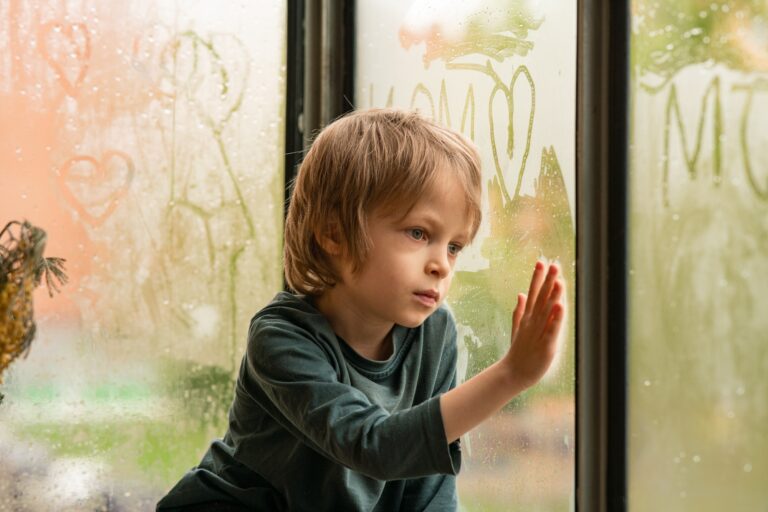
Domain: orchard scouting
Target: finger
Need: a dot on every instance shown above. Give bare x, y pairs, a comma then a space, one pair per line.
541, 315
518, 313
552, 331
536, 280
556, 294
547, 287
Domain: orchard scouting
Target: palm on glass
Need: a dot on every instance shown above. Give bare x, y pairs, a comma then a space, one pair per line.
536, 324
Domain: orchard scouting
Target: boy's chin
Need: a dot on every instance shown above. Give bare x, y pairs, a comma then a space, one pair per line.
414, 321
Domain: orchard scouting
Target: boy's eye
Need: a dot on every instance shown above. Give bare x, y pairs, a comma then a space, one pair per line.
416, 233
454, 249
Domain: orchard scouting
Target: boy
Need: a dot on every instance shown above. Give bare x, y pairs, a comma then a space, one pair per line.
347, 397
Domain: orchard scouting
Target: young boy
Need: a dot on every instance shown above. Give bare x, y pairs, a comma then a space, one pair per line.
347, 396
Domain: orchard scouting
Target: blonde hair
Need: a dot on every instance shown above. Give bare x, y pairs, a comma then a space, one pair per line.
377, 159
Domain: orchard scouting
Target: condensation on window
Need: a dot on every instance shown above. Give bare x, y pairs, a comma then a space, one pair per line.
503, 72
698, 402
145, 138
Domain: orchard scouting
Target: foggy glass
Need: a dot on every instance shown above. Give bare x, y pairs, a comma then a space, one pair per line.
146, 139
698, 402
503, 73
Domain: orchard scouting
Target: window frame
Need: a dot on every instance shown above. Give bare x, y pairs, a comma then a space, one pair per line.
602, 131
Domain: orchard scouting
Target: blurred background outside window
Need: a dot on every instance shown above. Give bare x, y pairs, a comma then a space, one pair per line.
698, 226
146, 138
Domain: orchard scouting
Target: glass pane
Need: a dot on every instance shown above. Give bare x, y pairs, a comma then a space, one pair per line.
503, 73
698, 402
146, 138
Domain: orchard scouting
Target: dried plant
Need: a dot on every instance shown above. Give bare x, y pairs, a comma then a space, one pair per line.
22, 268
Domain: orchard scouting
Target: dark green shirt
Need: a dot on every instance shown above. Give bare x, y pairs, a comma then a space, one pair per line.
316, 426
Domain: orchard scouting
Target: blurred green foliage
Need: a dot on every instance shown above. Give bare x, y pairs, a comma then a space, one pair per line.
667, 36
523, 229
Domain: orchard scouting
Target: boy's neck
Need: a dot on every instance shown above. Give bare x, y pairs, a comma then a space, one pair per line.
369, 337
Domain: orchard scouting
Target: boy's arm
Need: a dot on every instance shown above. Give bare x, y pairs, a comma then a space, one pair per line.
536, 324
294, 381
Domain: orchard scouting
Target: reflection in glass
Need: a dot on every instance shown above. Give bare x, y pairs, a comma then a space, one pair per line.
145, 138
503, 73
699, 256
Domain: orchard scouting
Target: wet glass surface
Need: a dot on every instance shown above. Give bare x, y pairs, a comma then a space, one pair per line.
503, 73
698, 401
146, 138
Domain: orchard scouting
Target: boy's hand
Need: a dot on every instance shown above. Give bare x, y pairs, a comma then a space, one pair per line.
536, 324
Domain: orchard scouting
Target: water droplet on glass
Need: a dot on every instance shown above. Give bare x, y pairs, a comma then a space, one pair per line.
646, 383
740, 390
747, 467
696, 459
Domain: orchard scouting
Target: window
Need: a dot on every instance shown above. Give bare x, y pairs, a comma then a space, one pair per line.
513, 92
698, 266
146, 138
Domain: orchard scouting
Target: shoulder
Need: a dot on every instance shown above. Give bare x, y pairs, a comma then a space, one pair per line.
290, 314
290, 328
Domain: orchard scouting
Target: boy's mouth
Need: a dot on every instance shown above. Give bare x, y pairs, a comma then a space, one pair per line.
427, 297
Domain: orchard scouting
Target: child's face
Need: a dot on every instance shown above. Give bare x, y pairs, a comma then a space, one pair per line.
409, 269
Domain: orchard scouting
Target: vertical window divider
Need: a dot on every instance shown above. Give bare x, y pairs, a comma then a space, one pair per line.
601, 254
294, 94
320, 56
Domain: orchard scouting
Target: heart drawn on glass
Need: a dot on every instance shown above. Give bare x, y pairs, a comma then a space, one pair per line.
516, 139
67, 49
93, 188
147, 49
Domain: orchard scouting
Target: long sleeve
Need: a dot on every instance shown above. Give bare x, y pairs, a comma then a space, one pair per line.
315, 426
306, 396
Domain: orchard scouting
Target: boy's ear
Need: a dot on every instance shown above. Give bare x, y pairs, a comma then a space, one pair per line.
329, 239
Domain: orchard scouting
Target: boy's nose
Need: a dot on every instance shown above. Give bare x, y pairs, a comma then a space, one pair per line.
438, 265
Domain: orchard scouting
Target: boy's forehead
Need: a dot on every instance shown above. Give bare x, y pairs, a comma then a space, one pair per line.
431, 206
